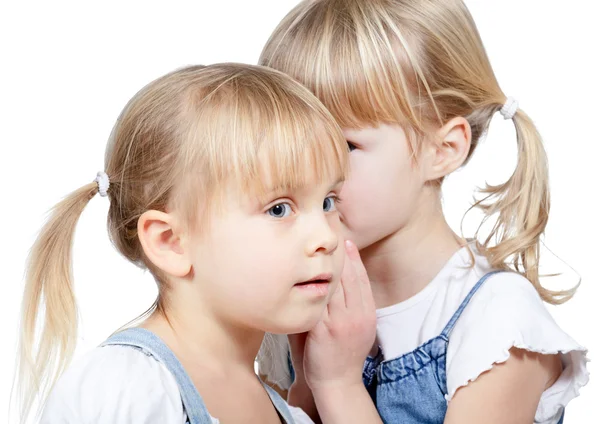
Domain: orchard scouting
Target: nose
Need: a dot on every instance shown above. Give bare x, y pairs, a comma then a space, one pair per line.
323, 237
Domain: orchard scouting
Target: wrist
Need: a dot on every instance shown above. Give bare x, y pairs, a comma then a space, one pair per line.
336, 391
347, 404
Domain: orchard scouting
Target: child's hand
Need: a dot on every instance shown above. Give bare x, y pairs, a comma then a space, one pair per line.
336, 349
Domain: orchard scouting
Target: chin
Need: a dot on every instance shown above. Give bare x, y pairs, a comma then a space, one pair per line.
297, 324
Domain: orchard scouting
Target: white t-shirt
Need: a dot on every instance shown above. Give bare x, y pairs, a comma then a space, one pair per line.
120, 385
505, 312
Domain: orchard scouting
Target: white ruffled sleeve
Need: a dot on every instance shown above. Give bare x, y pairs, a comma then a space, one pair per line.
115, 385
507, 312
272, 360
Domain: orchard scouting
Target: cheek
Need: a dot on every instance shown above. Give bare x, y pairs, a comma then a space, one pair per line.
259, 264
373, 183
379, 195
254, 267
361, 180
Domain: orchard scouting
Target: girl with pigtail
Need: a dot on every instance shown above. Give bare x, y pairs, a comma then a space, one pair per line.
223, 182
463, 335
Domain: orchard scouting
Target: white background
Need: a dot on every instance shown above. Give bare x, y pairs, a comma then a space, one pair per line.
67, 69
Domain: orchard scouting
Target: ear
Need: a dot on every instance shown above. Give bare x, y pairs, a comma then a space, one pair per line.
450, 148
163, 244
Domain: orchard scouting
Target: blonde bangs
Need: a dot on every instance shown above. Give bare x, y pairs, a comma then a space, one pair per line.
260, 131
361, 69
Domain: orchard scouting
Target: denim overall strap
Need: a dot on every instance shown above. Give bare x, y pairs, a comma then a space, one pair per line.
465, 302
412, 388
151, 344
280, 405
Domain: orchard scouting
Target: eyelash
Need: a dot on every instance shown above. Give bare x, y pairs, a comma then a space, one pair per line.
281, 203
336, 199
351, 146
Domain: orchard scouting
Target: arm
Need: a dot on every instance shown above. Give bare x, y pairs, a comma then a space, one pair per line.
329, 359
509, 392
344, 405
335, 350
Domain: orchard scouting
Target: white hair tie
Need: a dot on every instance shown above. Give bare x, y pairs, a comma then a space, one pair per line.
510, 108
103, 183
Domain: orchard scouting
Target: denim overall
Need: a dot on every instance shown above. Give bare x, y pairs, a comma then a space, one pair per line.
151, 345
411, 389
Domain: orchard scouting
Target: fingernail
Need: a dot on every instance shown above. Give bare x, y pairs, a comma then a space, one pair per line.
349, 245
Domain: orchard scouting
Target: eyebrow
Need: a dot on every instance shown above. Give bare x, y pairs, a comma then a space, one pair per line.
340, 180
277, 191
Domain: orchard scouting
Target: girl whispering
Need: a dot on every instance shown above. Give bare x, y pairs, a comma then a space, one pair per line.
462, 332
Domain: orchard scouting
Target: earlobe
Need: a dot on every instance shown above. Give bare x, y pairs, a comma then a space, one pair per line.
451, 148
162, 243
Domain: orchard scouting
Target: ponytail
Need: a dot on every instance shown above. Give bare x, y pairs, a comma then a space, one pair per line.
420, 64
49, 281
522, 205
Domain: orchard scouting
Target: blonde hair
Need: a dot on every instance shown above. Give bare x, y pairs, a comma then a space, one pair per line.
175, 146
419, 63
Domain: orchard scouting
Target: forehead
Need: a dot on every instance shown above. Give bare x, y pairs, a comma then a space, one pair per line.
268, 186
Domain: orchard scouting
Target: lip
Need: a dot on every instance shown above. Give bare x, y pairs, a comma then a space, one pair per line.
323, 278
317, 287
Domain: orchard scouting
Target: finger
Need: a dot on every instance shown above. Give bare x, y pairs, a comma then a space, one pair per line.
361, 274
337, 302
355, 260
350, 283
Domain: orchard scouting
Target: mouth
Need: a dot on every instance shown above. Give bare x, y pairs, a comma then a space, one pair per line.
317, 287
324, 278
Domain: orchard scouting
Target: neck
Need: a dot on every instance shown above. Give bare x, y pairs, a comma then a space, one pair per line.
197, 335
403, 263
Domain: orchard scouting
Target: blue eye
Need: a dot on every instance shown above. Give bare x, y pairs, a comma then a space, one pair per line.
329, 204
281, 210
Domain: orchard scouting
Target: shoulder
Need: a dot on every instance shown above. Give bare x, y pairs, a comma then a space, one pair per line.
507, 313
115, 384
509, 293
511, 285
504, 305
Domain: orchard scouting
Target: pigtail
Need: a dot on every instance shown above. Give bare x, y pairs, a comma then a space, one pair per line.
522, 205
420, 64
49, 310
